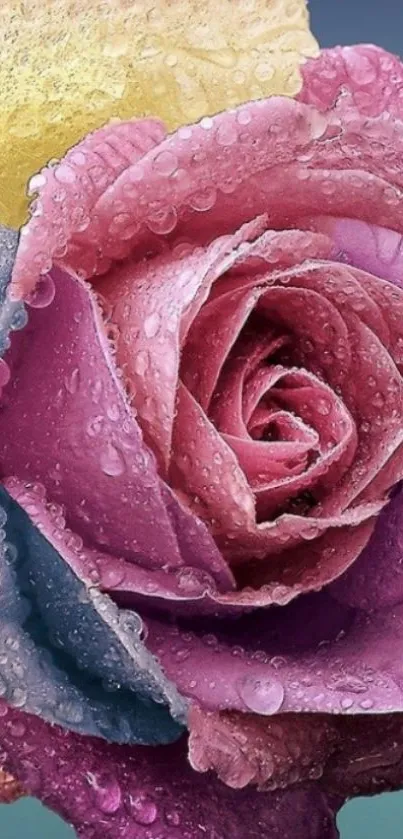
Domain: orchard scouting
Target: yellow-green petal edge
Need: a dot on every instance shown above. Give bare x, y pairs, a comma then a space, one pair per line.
68, 66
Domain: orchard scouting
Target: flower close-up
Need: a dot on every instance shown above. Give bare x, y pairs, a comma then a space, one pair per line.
201, 452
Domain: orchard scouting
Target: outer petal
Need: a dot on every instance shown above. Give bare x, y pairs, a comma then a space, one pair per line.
120, 793
236, 166
82, 441
347, 756
268, 753
314, 655
66, 652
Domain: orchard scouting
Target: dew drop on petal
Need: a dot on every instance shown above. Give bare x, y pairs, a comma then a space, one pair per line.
106, 793
112, 577
261, 695
36, 182
152, 324
4, 373
19, 318
162, 221
165, 163
18, 697
43, 294
112, 462
143, 809
173, 817
203, 200
71, 381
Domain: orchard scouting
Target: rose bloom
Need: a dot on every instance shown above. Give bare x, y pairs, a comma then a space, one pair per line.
201, 449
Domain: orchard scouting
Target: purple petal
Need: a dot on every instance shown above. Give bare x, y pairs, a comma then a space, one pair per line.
314, 655
375, 581
112, 792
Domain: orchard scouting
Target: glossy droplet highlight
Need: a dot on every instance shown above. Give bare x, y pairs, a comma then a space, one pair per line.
165, 163
152, 325
261, 695
72, 381
106, 793
43, 294
203, 200
143, 809
112, 462
162, 221
4, 373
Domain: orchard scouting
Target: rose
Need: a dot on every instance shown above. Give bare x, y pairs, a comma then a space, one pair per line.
246, 294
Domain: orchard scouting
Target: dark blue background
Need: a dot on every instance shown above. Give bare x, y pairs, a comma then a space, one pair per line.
333, 22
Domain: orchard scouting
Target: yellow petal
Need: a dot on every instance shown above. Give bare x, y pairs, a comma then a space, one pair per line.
68, 66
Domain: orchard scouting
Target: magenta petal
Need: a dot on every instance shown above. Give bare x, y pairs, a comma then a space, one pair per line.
276, 661
80, 439
77, 435
375, 580
110, 792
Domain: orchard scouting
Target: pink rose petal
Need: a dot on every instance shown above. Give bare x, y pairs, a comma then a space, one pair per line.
148, 305
319, 159
82, 442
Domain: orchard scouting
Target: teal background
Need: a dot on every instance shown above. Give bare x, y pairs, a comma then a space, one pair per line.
334, 22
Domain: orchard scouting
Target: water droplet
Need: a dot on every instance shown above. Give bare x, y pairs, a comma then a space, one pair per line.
36, 182
378, 400
165, 163
152, 324
72, 381
203, 199
323, 407
173, 817
112, 461
106, 793
171, 60
4, 373
346, 682
112, 412
264, 71
162, 221
94, 426
346, 703
141, 362
65, 174
17, 729
366, 704
43, 293
18, 697
143, 809
206, 123
69, 712
261, 695
226, 134
112, 577
19, 318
